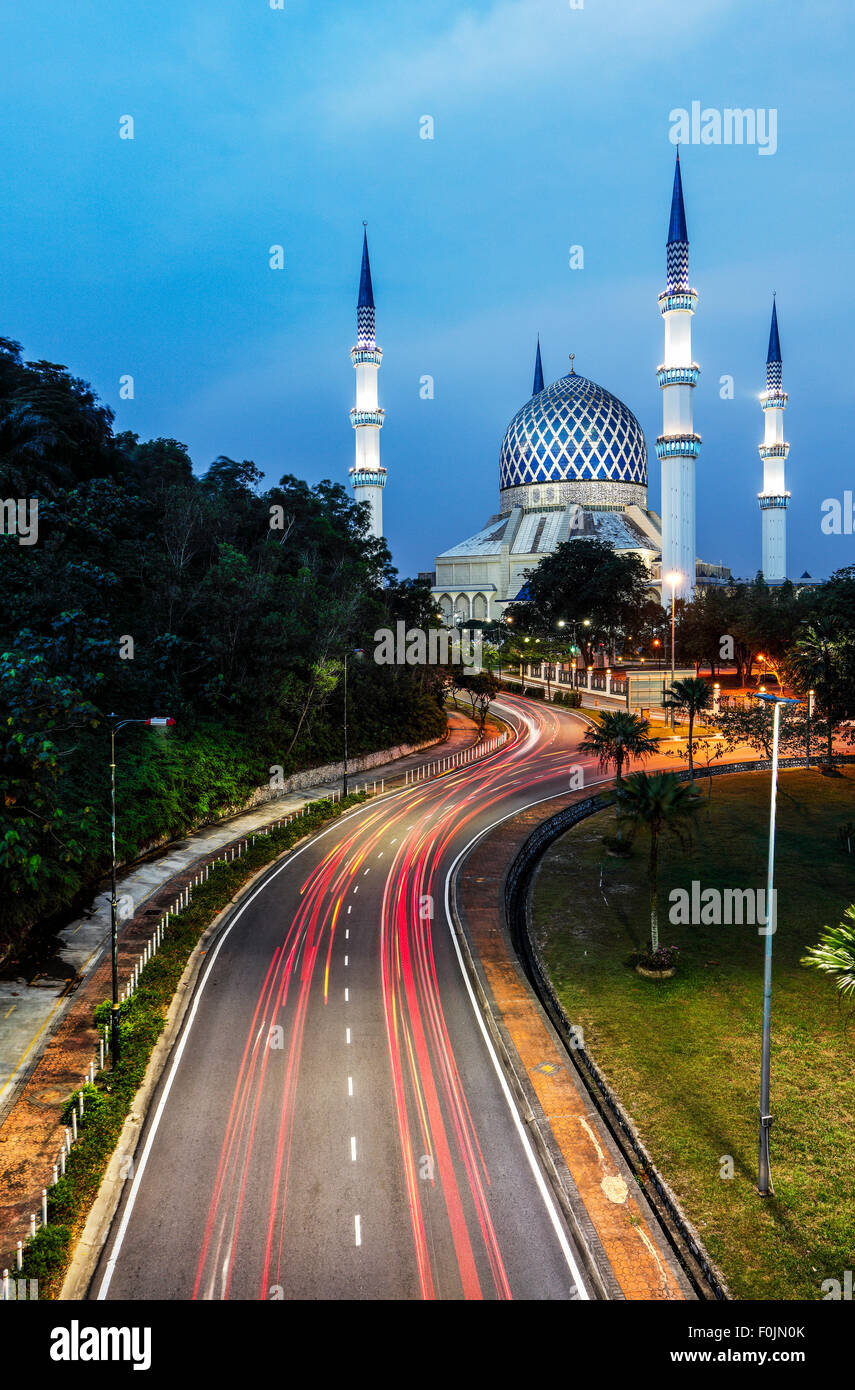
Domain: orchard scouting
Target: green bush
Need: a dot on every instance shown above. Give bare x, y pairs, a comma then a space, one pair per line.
46, 1254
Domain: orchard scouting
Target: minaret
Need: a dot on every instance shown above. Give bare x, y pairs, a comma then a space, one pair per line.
677, 446
538, 371
774, 499
368, 476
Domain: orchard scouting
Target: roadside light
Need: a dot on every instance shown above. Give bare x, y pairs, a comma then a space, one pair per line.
158, 723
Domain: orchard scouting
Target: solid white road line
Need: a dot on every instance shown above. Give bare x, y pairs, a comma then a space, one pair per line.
542, 1188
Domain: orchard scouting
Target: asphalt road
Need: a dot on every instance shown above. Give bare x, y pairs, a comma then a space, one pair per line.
332, 1122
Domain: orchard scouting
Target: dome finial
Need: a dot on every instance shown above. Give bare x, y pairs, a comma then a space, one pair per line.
572, 360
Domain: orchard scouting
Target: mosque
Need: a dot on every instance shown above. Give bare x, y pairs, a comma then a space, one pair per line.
573, 465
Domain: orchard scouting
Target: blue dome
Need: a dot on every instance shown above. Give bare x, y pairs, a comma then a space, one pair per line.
573, 431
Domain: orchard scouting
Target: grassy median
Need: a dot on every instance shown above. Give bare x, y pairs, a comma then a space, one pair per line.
684, 1054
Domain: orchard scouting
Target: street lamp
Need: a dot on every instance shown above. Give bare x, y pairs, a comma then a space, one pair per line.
357, 652
153, 723
764, 1182
673, 577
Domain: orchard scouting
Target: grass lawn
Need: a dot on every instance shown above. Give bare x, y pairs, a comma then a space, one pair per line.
684, 1054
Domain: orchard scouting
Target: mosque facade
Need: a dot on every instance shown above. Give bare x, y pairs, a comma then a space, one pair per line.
573, 465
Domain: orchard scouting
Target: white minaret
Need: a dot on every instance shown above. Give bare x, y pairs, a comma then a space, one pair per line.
368, 476
774, 499
677, 446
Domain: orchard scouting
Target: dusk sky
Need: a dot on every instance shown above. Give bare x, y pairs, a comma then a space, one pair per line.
256, 126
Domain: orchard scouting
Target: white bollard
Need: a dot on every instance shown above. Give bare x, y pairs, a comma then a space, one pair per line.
44, 1206
19, 1258
80, 1094
91, 1073
74, 1124
55, 1174
32, 1225
62, 1163
101, 1054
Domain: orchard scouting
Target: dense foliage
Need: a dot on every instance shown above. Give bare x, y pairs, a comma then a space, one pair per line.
150, 591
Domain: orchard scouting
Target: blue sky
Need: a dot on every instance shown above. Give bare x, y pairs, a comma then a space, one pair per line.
256, 126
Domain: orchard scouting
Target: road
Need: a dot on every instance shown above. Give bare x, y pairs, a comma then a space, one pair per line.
332, 1122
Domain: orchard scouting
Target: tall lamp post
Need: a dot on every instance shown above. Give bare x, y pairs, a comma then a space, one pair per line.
115, 1045
357, 652
764, 1181
673, 577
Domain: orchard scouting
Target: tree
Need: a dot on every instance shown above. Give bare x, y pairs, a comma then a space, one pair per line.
481, 687
618, 737
590, 588
821, 660
694, 695
835, 953
659, 803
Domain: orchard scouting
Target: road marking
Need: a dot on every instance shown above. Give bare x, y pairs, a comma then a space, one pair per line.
347, 996
356, 889
353, 1148
347, 931
350, 1085
349, 907
9, 1011
515, 1115
345, 960
185, 1033
347, 1031
380, 855
358, 1226
367, 871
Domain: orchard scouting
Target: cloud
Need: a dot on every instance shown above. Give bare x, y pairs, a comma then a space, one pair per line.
528, 43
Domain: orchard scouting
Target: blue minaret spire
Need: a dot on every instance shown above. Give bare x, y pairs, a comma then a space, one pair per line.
365, 303
678, 237
538, 371
774, 375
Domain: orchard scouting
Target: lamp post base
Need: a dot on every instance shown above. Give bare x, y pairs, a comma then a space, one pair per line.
764, 1177
115, 1044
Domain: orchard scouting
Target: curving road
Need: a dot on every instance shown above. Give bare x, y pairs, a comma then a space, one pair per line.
332, 1122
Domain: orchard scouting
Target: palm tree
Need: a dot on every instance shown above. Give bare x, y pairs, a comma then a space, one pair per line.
692, 694
816, 661
835, 954
660, 802
618, 737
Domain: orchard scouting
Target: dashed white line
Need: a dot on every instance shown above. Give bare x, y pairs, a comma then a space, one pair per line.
367, 871
358, 1227
347, 933
353, 1148
349, 907
347, 996
356, 889
350, 1085
347, 1032
345, 960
